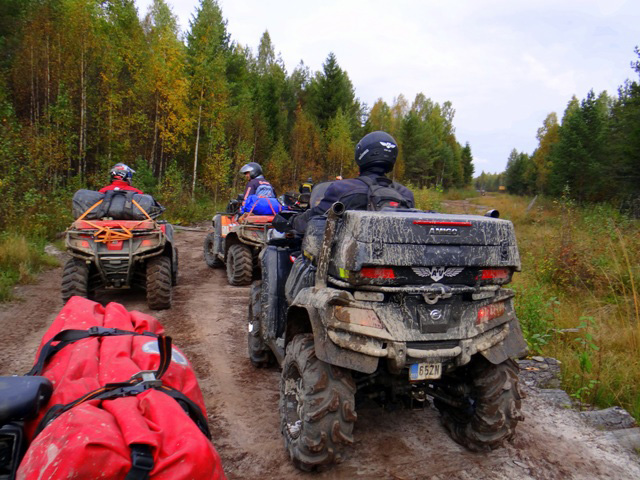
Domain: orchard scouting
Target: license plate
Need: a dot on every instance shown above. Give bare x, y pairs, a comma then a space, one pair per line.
425, 371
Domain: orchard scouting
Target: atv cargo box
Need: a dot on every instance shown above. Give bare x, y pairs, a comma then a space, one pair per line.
429, 245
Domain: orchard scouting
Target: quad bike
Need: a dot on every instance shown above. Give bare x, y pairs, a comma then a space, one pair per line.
395, 307
236, 242
121, 254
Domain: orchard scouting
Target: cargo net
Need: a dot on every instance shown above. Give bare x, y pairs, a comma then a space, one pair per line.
105, 233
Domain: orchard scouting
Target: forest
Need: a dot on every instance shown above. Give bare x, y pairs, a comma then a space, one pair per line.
591, 155
88, 83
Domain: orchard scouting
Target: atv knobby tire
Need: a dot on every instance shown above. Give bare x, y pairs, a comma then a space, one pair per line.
210, 254
259, 354
317, 407
159, 280
75, 279
239, 265
492, 402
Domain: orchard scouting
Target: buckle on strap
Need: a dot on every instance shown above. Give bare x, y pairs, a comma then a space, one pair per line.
141, 457
100, 331
147, 378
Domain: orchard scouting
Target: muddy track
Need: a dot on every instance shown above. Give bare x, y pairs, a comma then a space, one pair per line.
208, 322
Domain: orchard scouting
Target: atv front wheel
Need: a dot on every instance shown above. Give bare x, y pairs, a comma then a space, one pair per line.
489, 405
317, 407
159, 283
259, 353
210, 254
239, 265
75, 279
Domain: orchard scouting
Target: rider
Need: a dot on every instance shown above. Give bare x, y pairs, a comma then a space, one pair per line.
121, 176
257, 187
375, 155
307, 186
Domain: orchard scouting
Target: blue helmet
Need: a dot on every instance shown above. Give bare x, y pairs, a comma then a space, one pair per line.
120, 171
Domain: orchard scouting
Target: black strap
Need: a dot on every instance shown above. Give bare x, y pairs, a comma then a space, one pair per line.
190, 407
66, 337
141, 462
137, 384
128, 200
370, 182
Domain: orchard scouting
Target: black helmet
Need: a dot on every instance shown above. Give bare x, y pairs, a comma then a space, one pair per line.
376, 149
120, 171
253, 168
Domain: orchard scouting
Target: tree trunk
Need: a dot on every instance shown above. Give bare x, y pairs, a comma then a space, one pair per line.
33, 91
155, 138
195, 157
83, 99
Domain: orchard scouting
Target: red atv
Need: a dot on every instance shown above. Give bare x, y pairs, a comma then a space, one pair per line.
121, 254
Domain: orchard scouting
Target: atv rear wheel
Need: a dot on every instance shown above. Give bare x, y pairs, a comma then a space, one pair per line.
317, 407
490, 405
259, 353
159, 283
239, 265
75, 279
210, 254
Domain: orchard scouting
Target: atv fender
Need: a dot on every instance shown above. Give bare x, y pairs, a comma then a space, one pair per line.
303, 312
513, 346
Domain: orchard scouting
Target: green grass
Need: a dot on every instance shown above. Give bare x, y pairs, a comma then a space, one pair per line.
577, 295
20, 261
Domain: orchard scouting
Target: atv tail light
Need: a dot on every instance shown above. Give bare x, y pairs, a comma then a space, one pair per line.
357, 316
494, 274
377, 272
84, 244
489, 312
146, 243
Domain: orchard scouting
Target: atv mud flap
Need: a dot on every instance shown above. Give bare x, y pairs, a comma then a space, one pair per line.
513, 346
328, 351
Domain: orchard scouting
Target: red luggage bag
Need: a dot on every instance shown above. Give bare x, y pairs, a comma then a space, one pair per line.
113, 426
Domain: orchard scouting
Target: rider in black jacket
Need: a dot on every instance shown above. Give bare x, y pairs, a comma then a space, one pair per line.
375, 154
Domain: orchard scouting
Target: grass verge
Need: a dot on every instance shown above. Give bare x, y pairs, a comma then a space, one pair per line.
20, 261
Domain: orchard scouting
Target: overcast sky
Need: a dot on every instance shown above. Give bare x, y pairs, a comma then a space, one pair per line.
503, 64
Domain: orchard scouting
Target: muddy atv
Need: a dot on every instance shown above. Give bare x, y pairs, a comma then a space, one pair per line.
121, 254
236, 243
397, 307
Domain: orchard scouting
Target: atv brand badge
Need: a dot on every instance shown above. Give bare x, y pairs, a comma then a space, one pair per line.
435, 314
437, 273
443, 231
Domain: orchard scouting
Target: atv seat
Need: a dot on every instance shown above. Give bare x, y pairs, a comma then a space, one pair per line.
259, 219
22, 397
128, 224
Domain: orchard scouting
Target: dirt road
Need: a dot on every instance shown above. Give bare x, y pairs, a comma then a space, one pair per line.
208, 322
